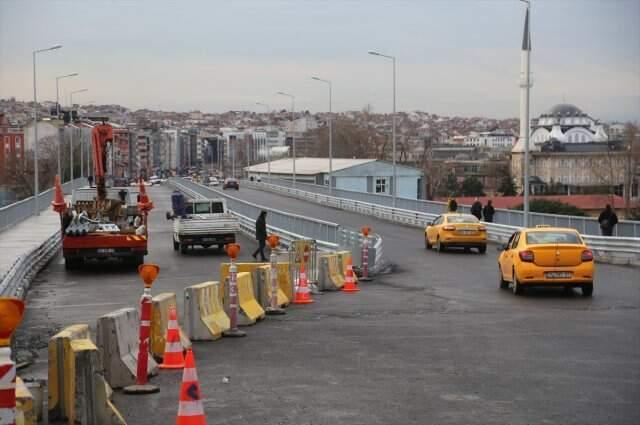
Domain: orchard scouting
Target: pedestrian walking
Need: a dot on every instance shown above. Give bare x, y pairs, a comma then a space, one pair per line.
452, 205
607, 219
90, 178
476, 209
261, 236
488, 211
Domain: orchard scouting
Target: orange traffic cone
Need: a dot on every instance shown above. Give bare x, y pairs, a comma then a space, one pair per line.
58, 203
173, 352
190, 410
303, 292
349, 284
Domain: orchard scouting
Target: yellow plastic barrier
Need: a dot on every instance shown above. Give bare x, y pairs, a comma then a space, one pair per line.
25, 408
247, 301
78, 392
160, 321
204, 316
342, 257
263, 277
284, 279
242, 267
331, 277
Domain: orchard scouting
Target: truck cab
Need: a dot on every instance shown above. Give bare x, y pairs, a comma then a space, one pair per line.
201, 222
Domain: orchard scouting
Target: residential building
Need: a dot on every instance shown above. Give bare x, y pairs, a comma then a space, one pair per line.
496, 139
12, 148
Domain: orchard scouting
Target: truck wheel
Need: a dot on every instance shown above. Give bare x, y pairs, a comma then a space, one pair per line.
183, 248
72, 263
176, 245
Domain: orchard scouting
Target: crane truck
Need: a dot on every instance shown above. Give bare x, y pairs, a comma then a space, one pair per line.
103, 223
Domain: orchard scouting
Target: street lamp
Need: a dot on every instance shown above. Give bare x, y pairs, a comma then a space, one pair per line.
330, 134
393, 142
266, 144
35, 127
293, 133
75, 74
526, 84
71, 134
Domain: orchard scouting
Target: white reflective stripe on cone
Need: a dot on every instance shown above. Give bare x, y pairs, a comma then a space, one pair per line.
303, 289
173, 347
189, 375
190, 408
173, 324
7, 381
7, 416
145, 323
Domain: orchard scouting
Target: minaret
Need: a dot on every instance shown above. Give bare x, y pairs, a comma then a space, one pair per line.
525, 86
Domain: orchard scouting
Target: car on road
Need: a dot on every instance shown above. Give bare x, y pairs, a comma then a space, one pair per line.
213, 181
154, 180
546, 256
231, 183
456, 230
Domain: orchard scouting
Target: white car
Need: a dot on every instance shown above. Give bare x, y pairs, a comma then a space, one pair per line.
213, 181
154, 180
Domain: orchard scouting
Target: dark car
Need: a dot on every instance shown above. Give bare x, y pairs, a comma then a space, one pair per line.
231, 184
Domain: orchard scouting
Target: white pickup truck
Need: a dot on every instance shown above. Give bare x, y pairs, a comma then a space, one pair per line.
204, 222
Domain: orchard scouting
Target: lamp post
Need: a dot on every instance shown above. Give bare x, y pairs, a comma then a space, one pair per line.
266, 144
393, 135
293, 133
330, 135
75, 74
35, 127
71, 134
526, 83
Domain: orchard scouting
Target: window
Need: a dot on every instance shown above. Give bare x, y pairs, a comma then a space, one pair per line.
539, 238
514, 242
381, 185
462, 218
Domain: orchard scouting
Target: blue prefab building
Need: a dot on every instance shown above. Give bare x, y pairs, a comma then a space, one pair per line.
361, 175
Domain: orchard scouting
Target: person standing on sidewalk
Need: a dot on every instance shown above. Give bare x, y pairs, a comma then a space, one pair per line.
261, 236
476, 209
608, 220
488, 212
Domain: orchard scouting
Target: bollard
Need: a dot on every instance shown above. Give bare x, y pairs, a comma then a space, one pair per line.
148, 273
365, 254
11, 311
232, 251
274, 309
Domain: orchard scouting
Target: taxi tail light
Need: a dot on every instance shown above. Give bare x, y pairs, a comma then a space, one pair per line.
449, 228
526, 256
587, 255
482, 228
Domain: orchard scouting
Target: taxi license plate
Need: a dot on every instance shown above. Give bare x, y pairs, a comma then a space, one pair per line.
467, 232
557, 275
106, 250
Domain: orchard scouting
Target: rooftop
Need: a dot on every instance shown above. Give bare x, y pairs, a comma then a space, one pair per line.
306, 166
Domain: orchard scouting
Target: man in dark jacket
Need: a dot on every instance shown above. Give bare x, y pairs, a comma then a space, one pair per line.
476, 209
607, 219
261, 236
488, 212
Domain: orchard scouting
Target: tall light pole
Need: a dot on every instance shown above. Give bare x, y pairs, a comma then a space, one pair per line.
328, 82
71, 133
266, 144
393, 135
75, 74
525, 82
293, 132
35, 127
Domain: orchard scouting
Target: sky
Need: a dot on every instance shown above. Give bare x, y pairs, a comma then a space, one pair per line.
454, 57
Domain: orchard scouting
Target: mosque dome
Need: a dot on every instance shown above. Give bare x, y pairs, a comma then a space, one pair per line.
565, 110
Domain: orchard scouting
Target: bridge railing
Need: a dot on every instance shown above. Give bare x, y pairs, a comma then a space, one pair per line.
585, 225
12, 214
623, 250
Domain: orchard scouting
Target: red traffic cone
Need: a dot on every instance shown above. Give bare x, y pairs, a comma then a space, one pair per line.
173, 352
58, 203
303, 292
190, 410
349, 284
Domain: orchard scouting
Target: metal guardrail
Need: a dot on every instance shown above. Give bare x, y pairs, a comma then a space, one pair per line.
585, 225
21, 210
619, 250
329, 236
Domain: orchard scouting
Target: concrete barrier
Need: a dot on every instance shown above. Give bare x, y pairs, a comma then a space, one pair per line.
204, 315
331, 276
159, 322
250, 310
342, 263
262, 284
118, 342
26, 412
78, 393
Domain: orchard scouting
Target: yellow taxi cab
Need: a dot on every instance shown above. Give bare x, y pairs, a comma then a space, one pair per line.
546, 256
456, 230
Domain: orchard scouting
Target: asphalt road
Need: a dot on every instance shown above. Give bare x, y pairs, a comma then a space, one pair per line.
435, 342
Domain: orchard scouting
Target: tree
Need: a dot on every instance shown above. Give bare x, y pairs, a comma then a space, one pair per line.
507, 187
551, 207
471, 186
452, 188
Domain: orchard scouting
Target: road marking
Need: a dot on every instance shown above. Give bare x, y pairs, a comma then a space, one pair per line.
73, 305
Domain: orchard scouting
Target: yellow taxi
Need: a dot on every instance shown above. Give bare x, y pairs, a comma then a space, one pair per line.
456, 230
546, 256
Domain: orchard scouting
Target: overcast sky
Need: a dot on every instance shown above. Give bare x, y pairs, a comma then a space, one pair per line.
455, 57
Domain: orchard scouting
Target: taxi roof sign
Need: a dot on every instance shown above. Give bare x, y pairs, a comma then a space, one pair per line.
11, 311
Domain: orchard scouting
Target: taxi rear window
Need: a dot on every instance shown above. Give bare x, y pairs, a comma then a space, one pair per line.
462, 219
538, 238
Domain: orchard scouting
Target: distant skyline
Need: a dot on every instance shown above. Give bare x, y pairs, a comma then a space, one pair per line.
455, 57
